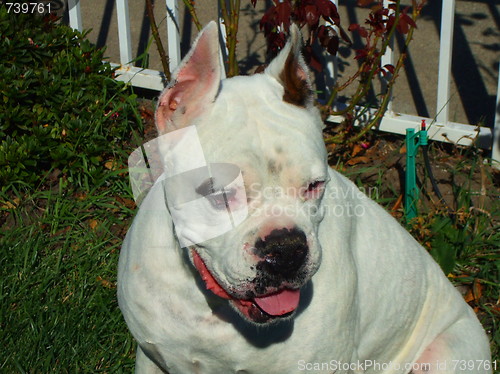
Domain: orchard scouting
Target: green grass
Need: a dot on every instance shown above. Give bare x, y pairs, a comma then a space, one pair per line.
64, 123
58, 278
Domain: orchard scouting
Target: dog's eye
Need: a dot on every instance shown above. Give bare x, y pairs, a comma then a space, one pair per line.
220, 200
314, 189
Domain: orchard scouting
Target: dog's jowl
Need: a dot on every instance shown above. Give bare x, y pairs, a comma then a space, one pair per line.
250, 255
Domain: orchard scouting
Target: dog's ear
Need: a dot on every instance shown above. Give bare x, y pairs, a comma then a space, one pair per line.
194, 84
290, 69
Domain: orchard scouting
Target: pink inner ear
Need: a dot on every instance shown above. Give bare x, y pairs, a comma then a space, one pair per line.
196, 84
173, 104
302, 74
169, 102
295, 81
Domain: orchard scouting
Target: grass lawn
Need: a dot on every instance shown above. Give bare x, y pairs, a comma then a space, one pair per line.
60, 250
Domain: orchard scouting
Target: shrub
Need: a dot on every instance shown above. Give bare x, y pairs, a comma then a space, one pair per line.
60, 107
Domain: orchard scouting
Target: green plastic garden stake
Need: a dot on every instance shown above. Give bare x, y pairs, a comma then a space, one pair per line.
413, 141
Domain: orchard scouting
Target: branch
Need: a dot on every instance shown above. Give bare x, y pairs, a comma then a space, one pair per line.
231, 20
190, 6
156, 36
235, 16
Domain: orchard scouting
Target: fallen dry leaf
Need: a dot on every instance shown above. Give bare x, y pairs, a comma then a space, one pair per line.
11, 204
129, 203
110, 165
357, 149
475, 292
358, 160
477, 289
81, 195
398, 203
469, 296
105, 283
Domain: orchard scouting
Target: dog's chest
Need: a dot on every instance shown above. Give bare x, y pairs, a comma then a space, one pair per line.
215, 340
225, 355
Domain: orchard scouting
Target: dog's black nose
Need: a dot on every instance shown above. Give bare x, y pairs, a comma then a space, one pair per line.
283, 252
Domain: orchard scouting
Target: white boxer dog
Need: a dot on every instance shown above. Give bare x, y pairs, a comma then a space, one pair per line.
250, 255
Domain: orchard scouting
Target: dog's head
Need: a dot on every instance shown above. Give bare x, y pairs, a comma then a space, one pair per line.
266, 127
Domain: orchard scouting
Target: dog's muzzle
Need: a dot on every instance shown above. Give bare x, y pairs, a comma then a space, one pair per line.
281, 272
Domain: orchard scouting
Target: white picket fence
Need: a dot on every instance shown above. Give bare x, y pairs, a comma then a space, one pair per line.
442, 128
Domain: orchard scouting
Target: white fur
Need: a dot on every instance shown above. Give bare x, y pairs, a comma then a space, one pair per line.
374, 294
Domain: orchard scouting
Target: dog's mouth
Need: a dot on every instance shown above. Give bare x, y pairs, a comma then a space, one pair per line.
261, 309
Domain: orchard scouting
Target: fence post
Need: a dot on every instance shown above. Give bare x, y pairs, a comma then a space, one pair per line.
124, 32
445, 53
75, 15
224, 53
173, 34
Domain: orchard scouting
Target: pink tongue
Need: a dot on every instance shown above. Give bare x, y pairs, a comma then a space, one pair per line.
279, 303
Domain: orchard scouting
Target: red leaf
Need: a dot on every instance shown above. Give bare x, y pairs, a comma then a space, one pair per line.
328, 38
408, 19
311, 59
360, 54
405, 22
322, 33
328, 11
283, 13
360, 29
390, 22
267, 22
364, 3
353, 27
333, 45
402, 25
276, 41
389, 68
311, 15
316, 65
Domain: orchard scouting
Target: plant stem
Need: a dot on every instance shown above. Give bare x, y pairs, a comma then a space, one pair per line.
235, 13
192, 11
362, 87
231, 19
154, 30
